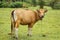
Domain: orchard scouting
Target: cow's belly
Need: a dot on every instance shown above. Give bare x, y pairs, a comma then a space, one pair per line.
25, 21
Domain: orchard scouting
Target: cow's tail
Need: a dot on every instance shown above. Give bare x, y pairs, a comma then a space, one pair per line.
12, 18
12, 21
12, 15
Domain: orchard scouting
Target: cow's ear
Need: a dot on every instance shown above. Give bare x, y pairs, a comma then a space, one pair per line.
38, 11
46, 10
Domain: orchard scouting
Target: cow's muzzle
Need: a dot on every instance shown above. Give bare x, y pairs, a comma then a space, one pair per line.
41, 17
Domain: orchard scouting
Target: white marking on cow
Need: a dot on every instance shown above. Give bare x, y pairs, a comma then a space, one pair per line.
16, 32
15, 16
30, 31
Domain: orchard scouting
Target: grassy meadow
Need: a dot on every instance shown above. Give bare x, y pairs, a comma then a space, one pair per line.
49, 26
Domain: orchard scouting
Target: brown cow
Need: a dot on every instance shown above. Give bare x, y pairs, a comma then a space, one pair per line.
25, 17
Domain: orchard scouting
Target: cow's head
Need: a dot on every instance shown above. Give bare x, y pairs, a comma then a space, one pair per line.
41, 13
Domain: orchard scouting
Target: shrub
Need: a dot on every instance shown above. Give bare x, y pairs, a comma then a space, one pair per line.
0, 4
11, 5
56, 5
3, 4
15, 5
26, 4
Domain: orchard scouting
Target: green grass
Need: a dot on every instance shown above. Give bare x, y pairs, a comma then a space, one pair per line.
50, 26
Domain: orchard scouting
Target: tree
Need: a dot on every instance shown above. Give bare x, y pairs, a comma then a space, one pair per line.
41, 3
0, 0
34, 2
55, 4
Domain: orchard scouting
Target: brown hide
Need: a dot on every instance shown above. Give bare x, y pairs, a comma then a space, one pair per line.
26, 16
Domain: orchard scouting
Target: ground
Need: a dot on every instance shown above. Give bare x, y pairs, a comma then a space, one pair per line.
47, 29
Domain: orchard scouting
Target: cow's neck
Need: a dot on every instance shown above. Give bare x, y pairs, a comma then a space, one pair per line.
37, 15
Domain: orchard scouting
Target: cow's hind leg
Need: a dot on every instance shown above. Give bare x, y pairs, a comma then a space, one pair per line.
12, 28
16, 29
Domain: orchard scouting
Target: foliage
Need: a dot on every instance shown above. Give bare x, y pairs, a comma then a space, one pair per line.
34, 2
15, 5
56, 5
41, 3
3, 4
0, 4
27, 3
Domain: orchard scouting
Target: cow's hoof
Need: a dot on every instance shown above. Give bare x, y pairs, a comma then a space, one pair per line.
29, 35
15, 37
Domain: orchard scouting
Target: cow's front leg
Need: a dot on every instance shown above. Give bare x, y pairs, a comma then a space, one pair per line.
30, 30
